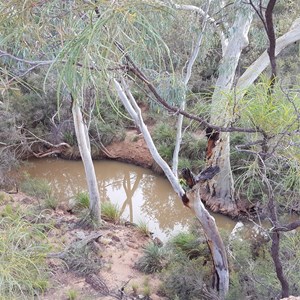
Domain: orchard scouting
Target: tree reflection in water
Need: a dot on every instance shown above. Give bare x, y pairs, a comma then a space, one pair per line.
140, 194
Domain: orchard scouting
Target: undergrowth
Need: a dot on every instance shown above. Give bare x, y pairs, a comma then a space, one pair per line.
23, 248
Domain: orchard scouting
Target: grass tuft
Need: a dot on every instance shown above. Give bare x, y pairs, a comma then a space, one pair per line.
82, 201
153, 259
143, 228
110, 212
23, 247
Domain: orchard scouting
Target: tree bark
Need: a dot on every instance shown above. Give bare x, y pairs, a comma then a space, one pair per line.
84, 148
214, 241
221, 188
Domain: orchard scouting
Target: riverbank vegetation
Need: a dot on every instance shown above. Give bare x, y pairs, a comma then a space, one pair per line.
200, 94
47, 252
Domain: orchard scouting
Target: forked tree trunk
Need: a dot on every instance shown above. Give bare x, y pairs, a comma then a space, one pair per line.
84, 148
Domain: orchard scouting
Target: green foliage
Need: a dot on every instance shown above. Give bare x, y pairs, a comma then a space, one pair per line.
193, 147
252, 268
188, 244
110, 212
38, 188
41, 190
112, 129
249, 184
164, 133
153, 259
72, 294
238, 157
23, 248
184, 279
82, 200
164, 136
171, 88
273, 112
290, 256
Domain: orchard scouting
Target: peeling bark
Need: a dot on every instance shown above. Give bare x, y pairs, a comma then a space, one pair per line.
221, 188
214, 241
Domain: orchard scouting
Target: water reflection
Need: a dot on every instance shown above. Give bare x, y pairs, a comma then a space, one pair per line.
140, 194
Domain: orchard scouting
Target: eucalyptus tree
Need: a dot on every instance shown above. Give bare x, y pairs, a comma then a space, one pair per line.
32, 36
113, 45
88, 45
232, 29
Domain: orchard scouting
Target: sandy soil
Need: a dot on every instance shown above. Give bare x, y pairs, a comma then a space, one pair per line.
117, 248
132, 149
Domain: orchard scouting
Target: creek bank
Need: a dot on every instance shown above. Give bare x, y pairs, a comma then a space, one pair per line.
133, 150
117, 248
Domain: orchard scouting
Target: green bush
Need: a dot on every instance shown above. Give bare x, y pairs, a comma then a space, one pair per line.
193, 148
164, 133
153, 259
184, 279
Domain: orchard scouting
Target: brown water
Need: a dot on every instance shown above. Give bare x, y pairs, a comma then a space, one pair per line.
140, 194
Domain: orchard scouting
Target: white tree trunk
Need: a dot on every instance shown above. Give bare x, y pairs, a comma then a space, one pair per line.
254, 70
213, 238
84, 148
214, 241
221, 186
186, 81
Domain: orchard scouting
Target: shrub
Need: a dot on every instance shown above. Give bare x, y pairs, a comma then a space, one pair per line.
164, 133
184, 279
153, 259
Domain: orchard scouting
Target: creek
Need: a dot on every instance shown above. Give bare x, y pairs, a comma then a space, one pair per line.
140, 194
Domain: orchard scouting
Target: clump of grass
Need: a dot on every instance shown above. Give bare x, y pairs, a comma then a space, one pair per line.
146, 290
143, 228
186, 243
39, 189
110, 212
135, 288
153, 259
82, 200
72, 294
23, 247
51, 203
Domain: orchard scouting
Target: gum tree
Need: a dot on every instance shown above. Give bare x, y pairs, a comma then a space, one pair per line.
114, 45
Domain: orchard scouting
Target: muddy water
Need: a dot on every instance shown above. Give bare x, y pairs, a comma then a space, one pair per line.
140, 194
